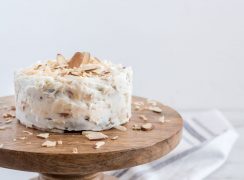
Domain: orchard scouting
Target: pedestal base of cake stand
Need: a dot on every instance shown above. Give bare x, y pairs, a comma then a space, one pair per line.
95, 176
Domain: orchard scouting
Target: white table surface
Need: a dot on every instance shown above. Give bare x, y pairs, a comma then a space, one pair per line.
233, 169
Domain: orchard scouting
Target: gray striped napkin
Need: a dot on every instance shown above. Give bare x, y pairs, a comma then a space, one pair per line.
207, 140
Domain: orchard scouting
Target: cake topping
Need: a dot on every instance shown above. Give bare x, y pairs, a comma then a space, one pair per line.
81, 64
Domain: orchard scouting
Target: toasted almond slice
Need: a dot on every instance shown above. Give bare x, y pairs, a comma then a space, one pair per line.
13, 108
143, 117
60, 142
86, 58
76, 60
147, 127
1, 145
152, 102
86, 132
74, 73
96, 136
8, 121
22, 138
74, 150
43, 135
139, 103
3, 127
136, 127
94, 60
115, 137
155, 109
28, 132
8, 115
60, 59
137, 108
49, 144
99, 144
89, 67
121, 128
162, 119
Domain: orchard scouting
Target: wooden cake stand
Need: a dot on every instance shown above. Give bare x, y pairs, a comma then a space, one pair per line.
22, 150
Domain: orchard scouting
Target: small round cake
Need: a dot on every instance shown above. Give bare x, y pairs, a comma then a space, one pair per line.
81, 93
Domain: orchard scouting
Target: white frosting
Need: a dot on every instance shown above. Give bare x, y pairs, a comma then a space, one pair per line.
74, 103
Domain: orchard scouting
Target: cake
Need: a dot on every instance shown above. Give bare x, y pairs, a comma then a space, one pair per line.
81, 93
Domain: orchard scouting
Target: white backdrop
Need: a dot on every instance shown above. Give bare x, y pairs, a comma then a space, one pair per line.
186, 53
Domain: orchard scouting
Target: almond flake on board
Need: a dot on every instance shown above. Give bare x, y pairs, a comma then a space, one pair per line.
3, 127
74, 150
22, 138
115, 137
137, 108
99, 144
28, 132
86, 132
147, 127
155, 109
139, 103
13, 108
60, 142
43, 135
8, 115
8, 121
162, 119
96, 136
136, 127
49, 144
152, 102
121, 128
143, 117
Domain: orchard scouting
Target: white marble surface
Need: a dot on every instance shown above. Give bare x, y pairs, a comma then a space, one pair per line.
231, 170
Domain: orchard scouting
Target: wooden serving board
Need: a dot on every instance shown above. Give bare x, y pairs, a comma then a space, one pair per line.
132, 148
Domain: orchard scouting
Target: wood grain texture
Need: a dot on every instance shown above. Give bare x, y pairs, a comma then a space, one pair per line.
132, 148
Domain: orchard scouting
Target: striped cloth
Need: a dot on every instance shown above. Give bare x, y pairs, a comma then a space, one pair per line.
207, 140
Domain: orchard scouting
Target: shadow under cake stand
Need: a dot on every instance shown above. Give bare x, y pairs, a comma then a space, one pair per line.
23, 151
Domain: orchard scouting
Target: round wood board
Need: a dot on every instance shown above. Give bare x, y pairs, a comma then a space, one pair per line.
132, 148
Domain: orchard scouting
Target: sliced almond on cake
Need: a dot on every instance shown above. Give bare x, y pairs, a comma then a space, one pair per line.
76, 60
